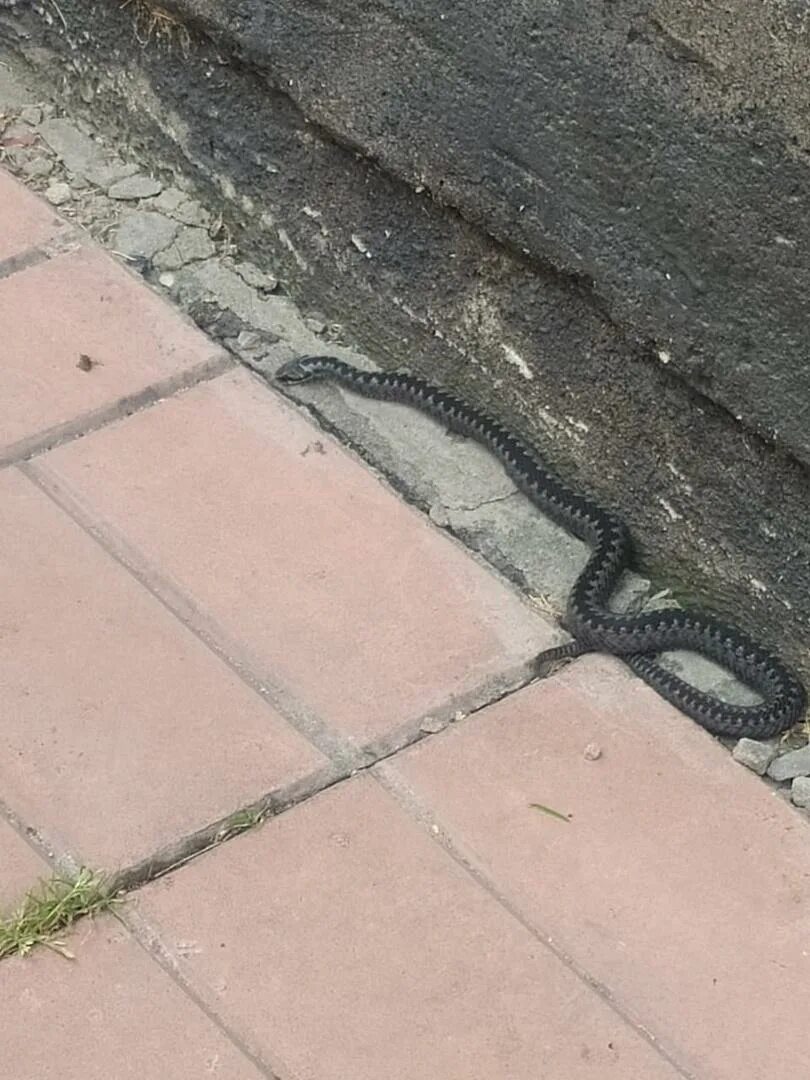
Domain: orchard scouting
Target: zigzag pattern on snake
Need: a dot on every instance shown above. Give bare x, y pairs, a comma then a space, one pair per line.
635, 638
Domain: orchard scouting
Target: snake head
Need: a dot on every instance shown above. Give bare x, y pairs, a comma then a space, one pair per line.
301, 369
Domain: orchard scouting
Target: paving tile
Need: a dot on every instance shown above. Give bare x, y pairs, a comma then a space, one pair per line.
20, 868
84, 304
121, 731
25, 221
681, 882
110, 1013
345, 594
376, 955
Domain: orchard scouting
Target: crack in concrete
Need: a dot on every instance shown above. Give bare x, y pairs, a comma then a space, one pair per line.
469, 508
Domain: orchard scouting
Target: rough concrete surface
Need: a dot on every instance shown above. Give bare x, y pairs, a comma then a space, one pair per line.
656, 150
415, 286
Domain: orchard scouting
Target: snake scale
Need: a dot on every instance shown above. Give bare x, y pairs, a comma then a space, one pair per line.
637, 639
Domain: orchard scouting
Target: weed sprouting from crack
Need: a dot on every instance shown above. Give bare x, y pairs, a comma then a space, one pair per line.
49, 909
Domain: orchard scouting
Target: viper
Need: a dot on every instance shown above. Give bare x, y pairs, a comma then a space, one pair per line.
637, 639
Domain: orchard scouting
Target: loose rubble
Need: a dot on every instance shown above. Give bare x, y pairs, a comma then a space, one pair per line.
58, 194
800, 791
757, 756
134, 187
793, 763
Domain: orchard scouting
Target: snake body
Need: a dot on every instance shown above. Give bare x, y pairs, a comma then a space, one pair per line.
637, 639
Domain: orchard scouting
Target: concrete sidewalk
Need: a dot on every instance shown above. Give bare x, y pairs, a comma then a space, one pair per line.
212, 613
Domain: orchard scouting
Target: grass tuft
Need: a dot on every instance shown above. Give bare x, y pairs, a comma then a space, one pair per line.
50, 908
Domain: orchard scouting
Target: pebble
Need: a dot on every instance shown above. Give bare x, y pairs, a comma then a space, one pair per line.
361, 245
592, 752
252, 275
19, 135
58, 194
794, 763
190, 245
135, 187
104, 176
191, 213
317, 326
38, 166
78, 151
431, 725
755, 755
249, 340
144, 233
800, 791
168, 200
438, 514
31, 114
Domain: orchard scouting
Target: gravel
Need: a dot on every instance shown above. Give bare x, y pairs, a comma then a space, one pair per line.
794, 763
58, 194
757, 756
135, 187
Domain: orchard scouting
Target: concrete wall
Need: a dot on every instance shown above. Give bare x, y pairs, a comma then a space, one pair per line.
657, 151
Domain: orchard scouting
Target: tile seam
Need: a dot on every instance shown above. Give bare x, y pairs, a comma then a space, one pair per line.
404, 796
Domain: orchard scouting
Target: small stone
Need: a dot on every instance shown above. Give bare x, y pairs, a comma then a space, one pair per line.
166, 279
143, 233
16, 156
109, 173
592, 752
135, 187
168, 200
217, 321
316, 326
438, 515
58, 194
361, 245
37, 167
189, 212
754, 755
258, 279
190, 245
78, 151
431, 726
800, 791
18, 135
249, 340
794, 763
31, 114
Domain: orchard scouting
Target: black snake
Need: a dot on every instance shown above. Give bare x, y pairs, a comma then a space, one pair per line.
635, 638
